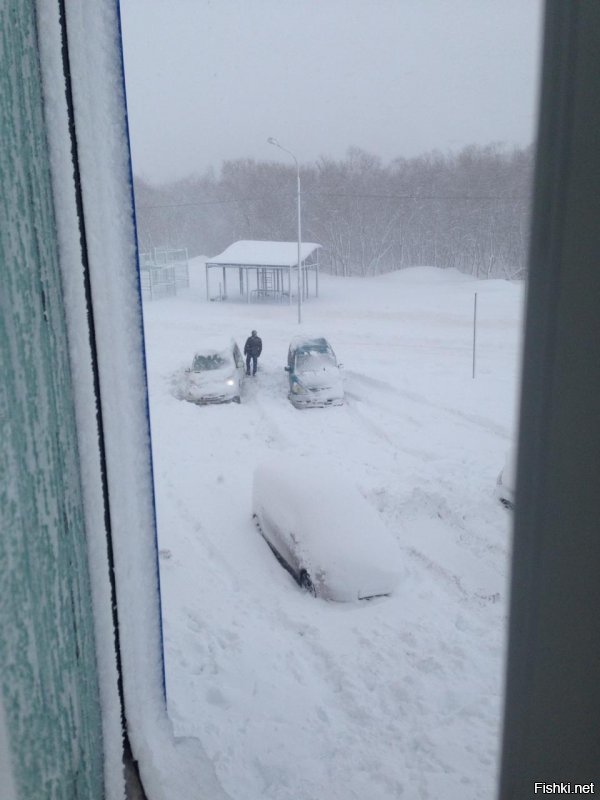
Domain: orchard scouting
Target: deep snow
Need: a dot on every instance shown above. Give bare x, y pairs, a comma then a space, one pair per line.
296, 698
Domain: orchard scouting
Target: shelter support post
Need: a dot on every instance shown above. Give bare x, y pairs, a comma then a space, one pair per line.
207, 289
224, 282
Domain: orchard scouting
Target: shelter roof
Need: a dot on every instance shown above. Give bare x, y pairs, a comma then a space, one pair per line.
263, 254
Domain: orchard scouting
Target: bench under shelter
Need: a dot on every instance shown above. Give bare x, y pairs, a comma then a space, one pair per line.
265, 270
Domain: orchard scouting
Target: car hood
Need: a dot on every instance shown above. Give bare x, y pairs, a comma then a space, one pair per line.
211, 375
319, 378
213, 380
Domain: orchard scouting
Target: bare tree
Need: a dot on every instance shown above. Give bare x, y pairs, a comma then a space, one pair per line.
467, 210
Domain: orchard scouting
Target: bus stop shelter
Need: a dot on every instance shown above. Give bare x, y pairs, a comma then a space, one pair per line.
265, 270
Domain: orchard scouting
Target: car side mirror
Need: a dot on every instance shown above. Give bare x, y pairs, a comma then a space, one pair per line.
288, 369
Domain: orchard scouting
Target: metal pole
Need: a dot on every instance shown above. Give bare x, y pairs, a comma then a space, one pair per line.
299, 249
275, 143
474, 330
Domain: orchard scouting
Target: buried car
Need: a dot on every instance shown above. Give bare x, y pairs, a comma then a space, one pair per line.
314, 373
216, 374
506, 482
322, 531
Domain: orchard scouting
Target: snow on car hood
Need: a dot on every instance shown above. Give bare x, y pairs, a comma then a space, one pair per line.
213, 385
320, 378
211, 378
339, 537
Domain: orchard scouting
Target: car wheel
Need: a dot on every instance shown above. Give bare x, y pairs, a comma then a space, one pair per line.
306, 583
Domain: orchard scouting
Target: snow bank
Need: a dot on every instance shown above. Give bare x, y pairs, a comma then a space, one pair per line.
421, 275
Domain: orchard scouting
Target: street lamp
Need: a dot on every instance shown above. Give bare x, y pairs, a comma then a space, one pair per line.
275, 143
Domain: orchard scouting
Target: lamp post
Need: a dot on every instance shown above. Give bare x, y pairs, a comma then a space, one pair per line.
275, 143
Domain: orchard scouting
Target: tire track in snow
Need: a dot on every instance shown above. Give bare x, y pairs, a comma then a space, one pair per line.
377, 430
299, 430
421, 400
256, 390
446, 505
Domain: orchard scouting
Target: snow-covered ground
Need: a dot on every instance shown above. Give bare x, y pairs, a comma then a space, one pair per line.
296, 698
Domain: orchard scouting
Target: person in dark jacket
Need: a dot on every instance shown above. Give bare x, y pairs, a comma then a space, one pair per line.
252, 350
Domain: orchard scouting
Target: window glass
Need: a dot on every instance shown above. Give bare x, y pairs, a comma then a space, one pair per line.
392, 144
205, 363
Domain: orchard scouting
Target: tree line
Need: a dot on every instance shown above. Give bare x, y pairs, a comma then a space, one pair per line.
468, 210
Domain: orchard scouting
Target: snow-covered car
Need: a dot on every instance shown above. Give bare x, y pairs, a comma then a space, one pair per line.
323, 531
216, 374
506, 481
314, 373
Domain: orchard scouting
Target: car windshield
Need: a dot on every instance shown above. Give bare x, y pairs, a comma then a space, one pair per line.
209, 361
307, 360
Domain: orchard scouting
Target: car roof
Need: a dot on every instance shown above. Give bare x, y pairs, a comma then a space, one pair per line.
319, 343
215, 345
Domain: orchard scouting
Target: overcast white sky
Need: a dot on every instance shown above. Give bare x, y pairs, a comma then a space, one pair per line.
210, 80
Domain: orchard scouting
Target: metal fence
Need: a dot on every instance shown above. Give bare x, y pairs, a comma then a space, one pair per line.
163, 271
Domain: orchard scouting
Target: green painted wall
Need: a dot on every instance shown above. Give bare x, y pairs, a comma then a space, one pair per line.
48, 674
